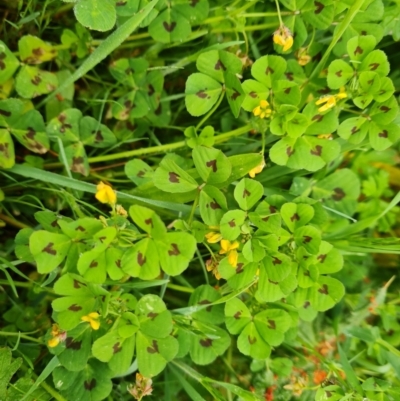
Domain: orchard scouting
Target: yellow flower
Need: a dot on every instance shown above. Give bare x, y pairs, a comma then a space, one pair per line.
105, 194
93, 319
229, 248
212, 266
121, 211
283, 37
257, 169
302, 56
57, 336
330, 100
213, 237
263, 110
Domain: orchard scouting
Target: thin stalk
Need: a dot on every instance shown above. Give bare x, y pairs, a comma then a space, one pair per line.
24, 336
13, 222
210, 113
195, 203
279, 12
180, 288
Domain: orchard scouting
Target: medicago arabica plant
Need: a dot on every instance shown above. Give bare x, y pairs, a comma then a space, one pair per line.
199, 200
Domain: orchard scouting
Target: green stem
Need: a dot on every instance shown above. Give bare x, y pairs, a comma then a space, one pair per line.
24, 336
388, 346
158, 149
180, 288
52, 392
354, 9
256, 15
279, 12
195, 203
210, 113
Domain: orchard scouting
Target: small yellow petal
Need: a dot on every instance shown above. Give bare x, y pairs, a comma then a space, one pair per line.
264, 104
233, 257
53, 342
225, 246
213, 238
94, 315
257, 111
105, 194
288, 43
234, 245
95, 324
322, 100
279, 40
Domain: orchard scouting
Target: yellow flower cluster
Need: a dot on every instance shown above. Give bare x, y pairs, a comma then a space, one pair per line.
263, 110
330, 101
105, 194
57, 335
93, 319
227, 247
283, 37
303, 58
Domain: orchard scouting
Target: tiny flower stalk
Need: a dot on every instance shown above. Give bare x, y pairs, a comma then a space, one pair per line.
105, 194
330, 101
283, 37
262, 110
230, 249
58, 336
93, 319
213, 237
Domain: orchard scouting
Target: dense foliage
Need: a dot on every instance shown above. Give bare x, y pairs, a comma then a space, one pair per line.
199, 200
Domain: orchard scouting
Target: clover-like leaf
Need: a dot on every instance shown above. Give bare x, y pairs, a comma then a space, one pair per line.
138, 171
319, 13
33, 50
170, 26
212, 205
8, 63
7, 153
339, 73
148, 220
271, 291
32, 82
272, 324
248, 192
204, 295
309, 237
326, 293
268, 69
328, 260
251, 343
296, 215
99, 15
237, 315
231, 223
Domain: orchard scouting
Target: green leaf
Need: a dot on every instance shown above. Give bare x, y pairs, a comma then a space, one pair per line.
33, 50
201, 93
153, 354
376, 61
7, 154
175, 251
384, 113
141, 260
105, 347
296, 215
7, 369
382, 137
48, 249
359, 46
237, 315
138, 171
320, 123
234, 93
8, 63
255, 92
231, 223
320, 14
326, 293
169, 177
203, 295
212, 165
353, 129
268, 69
251, 343
248, 192
266, 218
66, 125
272, 324
212, 204
277, 265
287, 92
32, 82
328, 259
95, 134
339, 73
148, 220
309, 237
170, 26
270, 290
77, 159
218, 64
99, 15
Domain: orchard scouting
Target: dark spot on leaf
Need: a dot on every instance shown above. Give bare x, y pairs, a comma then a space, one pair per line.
98, 137
371, 81
253, 94
289, 76
38, 52
5, 113
93, 264
232, 223
118, 263
306, 239
339, 194
317, 118
295, 217
317, 151
90, 385
358, 50
354, 130
219, 65
246, 193
117, 348
140, 174
383, 134
271, 324
272, 209
36, 80
201, 94
131, 126
4, 149
273, 282
266, 218
152, 315
169, 27
237, 315
269, 70
140, 259
158, 110
251, 340
287, 90
289, 151
31, 133
49, 249
385, 109
321, 258
71, 344
193, 2
239, 268
77, 165
324, 290
206, 342
154, 348
214, 205
78, 284
213, 165
151, 90
390, 332
75, 308
206, 302
276, 261
328, 394
317, 57
121, 3
306, 304
374, 66
149, 222
235, 95
319, 7
102, 239
79, 228
307, 273
175, 250
173, 177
